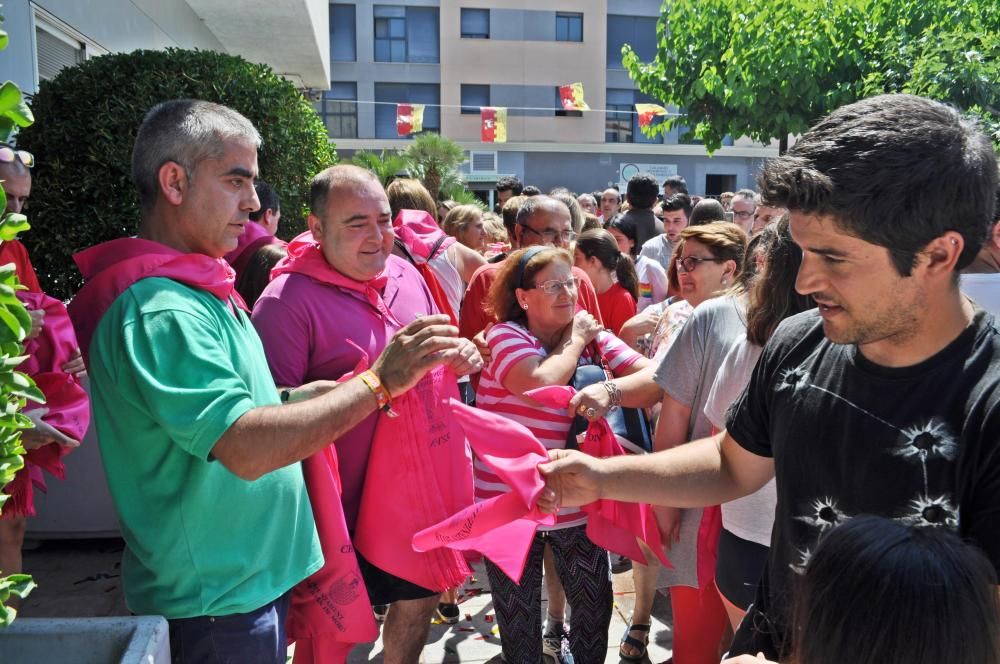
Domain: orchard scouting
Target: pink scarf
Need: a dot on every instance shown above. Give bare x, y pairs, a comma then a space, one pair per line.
330, 611
305, 257
110, 268
66, 400
502, 527
611, 524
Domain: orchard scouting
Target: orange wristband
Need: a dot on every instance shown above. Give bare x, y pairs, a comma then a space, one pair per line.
382, 397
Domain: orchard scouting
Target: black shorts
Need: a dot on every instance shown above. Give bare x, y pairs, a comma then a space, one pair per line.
738, 569
386, 588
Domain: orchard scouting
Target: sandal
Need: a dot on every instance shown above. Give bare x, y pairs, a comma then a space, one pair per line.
638, 645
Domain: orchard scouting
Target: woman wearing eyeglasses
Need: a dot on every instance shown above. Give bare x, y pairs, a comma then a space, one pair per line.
539, 341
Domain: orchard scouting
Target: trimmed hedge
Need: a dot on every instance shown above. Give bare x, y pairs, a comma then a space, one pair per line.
85, 124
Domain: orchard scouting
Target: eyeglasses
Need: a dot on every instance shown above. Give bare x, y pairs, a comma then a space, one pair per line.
550, 237
553, 286
690, 263
745, 215
8, 155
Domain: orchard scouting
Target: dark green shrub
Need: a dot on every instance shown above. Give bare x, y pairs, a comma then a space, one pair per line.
85, 123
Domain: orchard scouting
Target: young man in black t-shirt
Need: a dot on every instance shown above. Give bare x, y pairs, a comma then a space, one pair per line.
885, 399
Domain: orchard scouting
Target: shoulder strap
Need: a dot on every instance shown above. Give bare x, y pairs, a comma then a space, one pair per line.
436, 246
403, 248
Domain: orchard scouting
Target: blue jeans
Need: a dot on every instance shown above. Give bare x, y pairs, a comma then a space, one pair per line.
257, 637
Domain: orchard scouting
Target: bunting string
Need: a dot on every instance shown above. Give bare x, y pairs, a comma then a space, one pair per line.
509, 108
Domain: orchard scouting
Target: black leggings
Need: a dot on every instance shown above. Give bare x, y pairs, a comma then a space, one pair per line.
586, 576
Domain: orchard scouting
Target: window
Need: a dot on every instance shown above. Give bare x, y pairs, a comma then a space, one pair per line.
569, 27
343, 34
621, 123
58, 46
475, 23
637, 31
406, 34
474, 97
562, 113
618, 120
405, 93
340, 117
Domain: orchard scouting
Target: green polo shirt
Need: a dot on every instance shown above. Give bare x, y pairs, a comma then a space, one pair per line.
171, 369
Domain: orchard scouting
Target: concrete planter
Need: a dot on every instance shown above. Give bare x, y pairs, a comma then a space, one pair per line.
128, 640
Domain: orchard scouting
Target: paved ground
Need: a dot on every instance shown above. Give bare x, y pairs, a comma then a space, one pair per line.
81, 578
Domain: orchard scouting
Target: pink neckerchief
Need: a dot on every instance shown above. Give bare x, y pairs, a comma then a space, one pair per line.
305, 257
110, 268
254, 237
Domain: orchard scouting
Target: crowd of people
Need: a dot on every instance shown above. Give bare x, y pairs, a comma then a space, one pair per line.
813, 367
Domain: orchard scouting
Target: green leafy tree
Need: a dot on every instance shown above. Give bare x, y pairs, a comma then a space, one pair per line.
15, 387
387, 166
87, 118
767, 70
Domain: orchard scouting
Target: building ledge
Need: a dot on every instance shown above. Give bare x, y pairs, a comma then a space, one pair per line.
754, 152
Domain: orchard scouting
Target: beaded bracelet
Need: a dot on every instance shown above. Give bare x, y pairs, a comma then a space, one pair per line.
614, 394
382, 397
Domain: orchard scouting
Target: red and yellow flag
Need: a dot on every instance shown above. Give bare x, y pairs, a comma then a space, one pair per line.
647, 112
494, 124
409, 118
572, 97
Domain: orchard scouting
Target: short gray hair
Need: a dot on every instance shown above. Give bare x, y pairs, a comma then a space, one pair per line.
332, 178
185, 131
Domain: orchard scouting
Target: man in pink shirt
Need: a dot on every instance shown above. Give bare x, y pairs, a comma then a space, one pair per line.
319, 323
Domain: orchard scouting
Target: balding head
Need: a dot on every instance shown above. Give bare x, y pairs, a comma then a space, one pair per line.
334, 180
16, 184
544, 220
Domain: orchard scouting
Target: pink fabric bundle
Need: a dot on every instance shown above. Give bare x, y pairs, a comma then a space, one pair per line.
611, 524
110, 268
65, 399
419, 472
419, 232
503, 527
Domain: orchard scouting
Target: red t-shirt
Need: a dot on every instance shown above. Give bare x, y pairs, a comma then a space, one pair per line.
14, 252
617, 306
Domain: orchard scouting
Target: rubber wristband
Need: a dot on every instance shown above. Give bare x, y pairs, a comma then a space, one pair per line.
382, 398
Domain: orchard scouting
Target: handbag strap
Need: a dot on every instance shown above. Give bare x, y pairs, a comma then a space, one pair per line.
595, 351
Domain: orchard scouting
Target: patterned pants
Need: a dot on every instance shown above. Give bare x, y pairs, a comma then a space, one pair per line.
586, 575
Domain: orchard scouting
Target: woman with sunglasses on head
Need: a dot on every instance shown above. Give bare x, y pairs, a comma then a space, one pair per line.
539, 341
687, 347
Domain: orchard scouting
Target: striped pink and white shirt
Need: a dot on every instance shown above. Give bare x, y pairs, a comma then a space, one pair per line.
510, 343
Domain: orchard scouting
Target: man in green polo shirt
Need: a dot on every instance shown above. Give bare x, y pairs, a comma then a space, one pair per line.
201, 456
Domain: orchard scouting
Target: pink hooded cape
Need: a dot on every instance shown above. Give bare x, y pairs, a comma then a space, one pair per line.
503, 527
65, 399
110, 268
611, 524
419, 232
330, 611
254, 237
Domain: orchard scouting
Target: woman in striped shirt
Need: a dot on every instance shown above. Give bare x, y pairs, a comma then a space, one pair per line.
540, 340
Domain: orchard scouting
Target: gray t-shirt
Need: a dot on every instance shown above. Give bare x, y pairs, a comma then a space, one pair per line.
688, 370
751, 517
687, 373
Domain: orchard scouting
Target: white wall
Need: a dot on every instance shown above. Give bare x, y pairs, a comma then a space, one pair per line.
114, 25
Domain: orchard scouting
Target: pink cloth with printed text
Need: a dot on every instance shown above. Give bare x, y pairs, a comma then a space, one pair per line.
502, 527
110, 268
419, 473
66, 401
611, 524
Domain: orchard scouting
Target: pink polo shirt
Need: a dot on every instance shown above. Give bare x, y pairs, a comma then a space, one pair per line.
305, 326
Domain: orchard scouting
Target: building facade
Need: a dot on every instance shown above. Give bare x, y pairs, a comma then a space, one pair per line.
456, 56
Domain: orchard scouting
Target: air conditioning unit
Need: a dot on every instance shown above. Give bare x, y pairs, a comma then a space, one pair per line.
482, 163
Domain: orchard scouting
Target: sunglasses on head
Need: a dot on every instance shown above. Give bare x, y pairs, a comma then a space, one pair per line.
9, 154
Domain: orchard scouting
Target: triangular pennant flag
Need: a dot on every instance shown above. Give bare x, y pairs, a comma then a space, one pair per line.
647, 112
409, 118
494, 124
572, 97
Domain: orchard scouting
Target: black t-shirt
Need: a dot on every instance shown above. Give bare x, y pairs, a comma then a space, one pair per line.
918, 444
